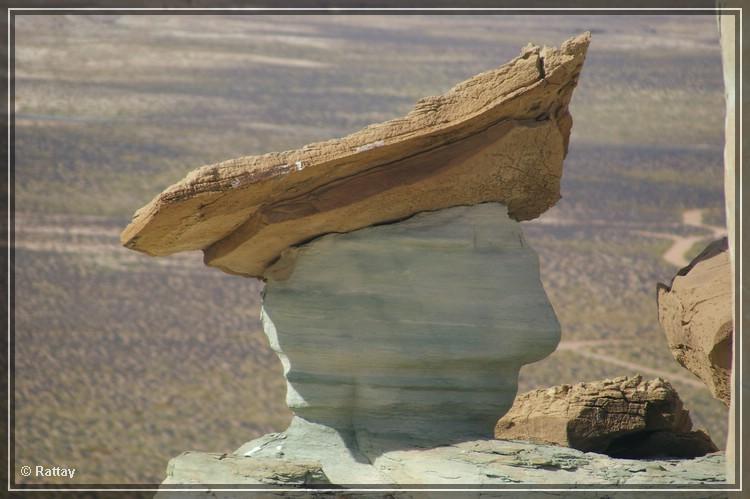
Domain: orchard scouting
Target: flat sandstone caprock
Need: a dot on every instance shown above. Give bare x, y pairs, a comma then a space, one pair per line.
500, 136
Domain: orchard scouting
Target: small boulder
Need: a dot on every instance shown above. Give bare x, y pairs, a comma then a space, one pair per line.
622, 417
695, 311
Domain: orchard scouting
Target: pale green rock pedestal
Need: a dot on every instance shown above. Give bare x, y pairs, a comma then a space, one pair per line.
409, 334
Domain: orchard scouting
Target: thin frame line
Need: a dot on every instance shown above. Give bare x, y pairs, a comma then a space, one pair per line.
738, 476
388, 9
9, 245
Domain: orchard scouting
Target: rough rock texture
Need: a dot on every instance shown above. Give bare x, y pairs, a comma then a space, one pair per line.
623, 417
415, 330
473, 463
695, 312
500, 136
207, 468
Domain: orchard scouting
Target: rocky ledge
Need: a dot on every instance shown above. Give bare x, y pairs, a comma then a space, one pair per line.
620, 416
474, 463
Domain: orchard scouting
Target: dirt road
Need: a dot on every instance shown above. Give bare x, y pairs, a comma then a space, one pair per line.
675, 255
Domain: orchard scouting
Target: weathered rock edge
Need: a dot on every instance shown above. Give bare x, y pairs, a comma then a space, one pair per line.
624, 417
500, 136
695, 312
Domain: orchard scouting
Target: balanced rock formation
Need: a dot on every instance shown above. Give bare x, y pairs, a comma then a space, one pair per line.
622, 417
695, 311
401, 296
500, 136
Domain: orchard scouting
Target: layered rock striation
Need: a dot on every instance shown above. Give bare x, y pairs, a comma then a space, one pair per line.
414, 332
623, 417
695, 311
500, 136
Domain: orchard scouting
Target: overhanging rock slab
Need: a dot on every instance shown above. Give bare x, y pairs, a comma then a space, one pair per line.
500, 136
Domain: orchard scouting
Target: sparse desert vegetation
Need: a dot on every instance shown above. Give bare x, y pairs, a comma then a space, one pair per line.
124, 361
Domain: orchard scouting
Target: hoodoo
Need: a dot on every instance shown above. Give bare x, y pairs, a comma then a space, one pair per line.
401, 295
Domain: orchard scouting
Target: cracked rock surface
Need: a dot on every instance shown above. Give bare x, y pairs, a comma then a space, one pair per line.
695, 311
500, 136
622, 417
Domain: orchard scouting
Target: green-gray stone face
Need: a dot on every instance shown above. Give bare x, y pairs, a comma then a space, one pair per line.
413, 331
